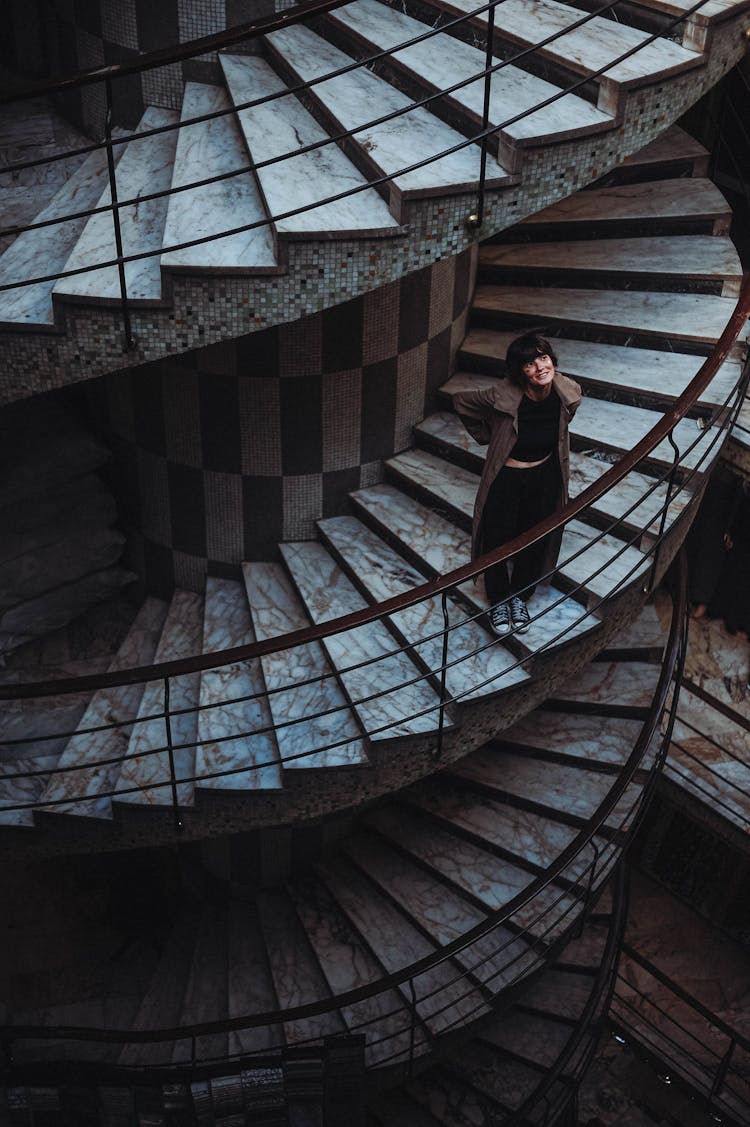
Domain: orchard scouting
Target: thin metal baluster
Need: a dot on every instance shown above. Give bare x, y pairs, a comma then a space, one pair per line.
178, 824
477, 218
649, 584
721, 1072
128, 340
443, 676
413, 1029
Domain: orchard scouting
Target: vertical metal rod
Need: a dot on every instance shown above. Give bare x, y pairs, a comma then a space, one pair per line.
126, 326
443, 676
721, 1071
170, 749
649, 586
479, 218
413, 1030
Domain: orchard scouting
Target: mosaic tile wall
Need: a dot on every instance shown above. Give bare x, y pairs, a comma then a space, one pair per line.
225, 451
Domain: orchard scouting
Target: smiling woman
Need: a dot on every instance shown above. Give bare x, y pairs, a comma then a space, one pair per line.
524, 421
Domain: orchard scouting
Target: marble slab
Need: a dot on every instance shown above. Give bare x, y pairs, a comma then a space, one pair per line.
145, 166
599, 564
45, 251
210, 148
330, 740
478, 665
562, 993
538, 1039
111, 705
234, 735
700, 318
396, 708
205, 996
282, 127
597, 739
512, 90
691, 197
629, 684
619, 426
249, 985
150, 773
479, 1066
356, 98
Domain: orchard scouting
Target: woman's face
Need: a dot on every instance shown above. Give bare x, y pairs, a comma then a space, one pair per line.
539, 371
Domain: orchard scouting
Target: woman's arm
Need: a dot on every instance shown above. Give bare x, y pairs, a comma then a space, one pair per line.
474, 407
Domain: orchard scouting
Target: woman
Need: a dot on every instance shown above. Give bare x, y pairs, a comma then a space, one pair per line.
524, 421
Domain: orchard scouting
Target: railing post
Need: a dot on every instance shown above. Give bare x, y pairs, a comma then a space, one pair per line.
128, 341
443, 675
178, 824
649, 585
721, 1072
413, 1027
476, 219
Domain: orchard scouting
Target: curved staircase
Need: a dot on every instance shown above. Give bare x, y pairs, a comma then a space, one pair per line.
307, 186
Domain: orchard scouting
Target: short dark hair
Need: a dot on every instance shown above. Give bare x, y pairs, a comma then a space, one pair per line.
522, 351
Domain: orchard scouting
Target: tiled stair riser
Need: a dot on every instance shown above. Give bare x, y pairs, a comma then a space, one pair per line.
93, 344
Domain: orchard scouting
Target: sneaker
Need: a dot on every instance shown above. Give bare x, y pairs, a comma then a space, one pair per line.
519, 615
500, 618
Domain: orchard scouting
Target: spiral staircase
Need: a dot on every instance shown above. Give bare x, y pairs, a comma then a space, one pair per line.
452, 919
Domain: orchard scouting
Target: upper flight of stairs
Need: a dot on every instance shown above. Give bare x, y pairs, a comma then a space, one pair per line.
281, 136
249, 735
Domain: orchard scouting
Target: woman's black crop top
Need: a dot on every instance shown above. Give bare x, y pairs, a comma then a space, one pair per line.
538, 428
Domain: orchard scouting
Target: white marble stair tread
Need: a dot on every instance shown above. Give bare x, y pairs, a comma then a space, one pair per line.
150, 773
513, 90
46, 250
587, 48
707, 773
347, 964
481, 665
684, 198
276, 609
642, 632
396, 708
441, 912
144, 167
249, 984
250, 753
612, 366
283, 126
119, 705
297, 976
444, 998
626, 684
442, 547
711, 12
672, 147
359, 97
710, 258
532, 1037
593, 739
698, 318
205, 997
210, 148
558, 992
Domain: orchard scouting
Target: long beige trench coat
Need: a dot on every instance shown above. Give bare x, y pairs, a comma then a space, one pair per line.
491, 417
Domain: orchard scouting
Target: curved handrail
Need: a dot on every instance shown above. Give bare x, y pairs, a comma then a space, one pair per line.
432, 588
493, 921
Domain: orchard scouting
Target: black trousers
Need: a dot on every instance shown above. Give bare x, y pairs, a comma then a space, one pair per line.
517, 500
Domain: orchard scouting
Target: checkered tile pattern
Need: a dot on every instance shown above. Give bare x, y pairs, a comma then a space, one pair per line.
223, 452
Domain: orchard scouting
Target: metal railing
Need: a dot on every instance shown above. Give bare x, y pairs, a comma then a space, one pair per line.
481, 20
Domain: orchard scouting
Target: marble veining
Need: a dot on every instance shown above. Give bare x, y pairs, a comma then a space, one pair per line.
328, 593
283, 126
503, 1079
144, 167
247, 723
276, 609
359, 97
596, 420
599, 564
630, 684
600, 739
180, 639
208, 149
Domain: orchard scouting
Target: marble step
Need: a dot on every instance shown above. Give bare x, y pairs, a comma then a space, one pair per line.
622, 262
354, 99
475, 1087
87, 787
586, 49
609, 686
250, 988
607, 368
674, 153
144, 167
479, 665
642, 638
694, 30
150, 773
297, 976
348, 964
536, 1040
590, 740
234, 734
205, 997
46, 250
438, 546
282, 126
560, 993
697, 319
373, 26
444, 998
210, 148
401, 702
685, 200
276, 609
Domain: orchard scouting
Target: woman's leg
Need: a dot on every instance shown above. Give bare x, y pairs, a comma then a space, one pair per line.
499, 524
538, 498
